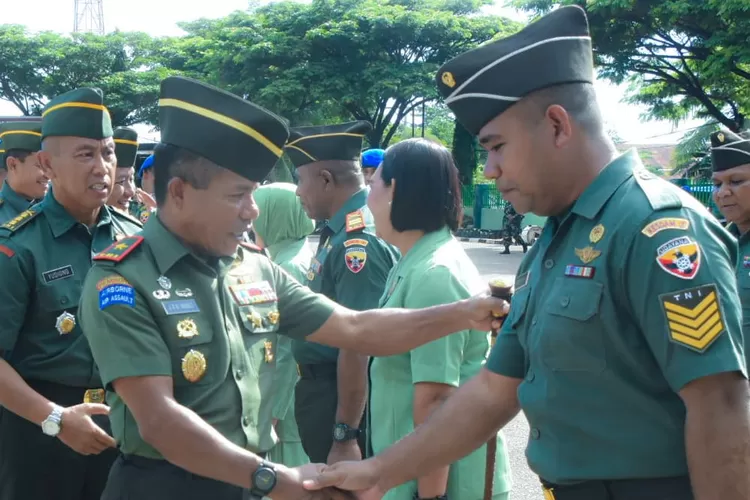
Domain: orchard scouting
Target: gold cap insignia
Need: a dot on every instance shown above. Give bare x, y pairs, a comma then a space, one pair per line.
720, 136
587, 254
187, 329
65, 323
193, 366
448, 79
268, 347
596, 233
273, 317
255, 319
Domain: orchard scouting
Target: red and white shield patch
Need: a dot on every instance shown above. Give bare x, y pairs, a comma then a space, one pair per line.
680, 257
356, 257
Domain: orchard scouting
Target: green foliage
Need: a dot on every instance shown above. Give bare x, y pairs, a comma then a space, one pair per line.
692, 158
35, 68
683, 58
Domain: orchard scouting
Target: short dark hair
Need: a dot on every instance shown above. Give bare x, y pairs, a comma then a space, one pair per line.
19, 154
427, 196
173, 161
344, 172
578, 99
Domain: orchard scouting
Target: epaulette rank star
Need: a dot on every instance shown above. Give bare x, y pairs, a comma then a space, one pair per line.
355, 221
20, 220
117, 251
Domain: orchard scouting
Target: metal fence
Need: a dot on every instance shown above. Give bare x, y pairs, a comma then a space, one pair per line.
487, 196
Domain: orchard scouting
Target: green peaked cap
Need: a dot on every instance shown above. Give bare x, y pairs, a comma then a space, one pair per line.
78, 113
25, 136
126, 146
729, 150
221, 127
342, 141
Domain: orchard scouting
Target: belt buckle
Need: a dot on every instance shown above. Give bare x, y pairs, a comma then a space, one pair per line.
548, 493
94, 396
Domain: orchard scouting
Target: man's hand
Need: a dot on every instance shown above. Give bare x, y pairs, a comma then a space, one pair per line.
79, 431
343, 452
289, 485
485, 312
359, 477
145, 198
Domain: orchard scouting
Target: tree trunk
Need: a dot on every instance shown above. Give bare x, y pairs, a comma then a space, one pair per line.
464, 153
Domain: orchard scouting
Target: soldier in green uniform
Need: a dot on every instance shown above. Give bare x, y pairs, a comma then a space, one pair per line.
178, 316
123, 194
26, 181
624, 343
281, 229
350, 267
50, 379
730, 158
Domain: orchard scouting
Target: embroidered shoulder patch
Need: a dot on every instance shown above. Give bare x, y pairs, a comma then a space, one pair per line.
680, 257
694, 318
665, 223
355, 257
355, 221
115, 290
20, 220
118, 250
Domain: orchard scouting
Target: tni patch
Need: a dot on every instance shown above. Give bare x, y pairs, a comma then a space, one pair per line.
680, 257
694, 318
579, 271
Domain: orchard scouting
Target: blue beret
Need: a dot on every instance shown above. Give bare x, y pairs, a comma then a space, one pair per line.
147, 163
372, 158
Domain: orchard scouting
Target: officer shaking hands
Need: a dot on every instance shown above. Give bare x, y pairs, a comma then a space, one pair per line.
177, 316
26, 182
350, 267
623, 345
50, 386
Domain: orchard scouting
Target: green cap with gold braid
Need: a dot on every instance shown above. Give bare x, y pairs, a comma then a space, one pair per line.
24, 136
78, 113
221, 127
342, 142
126, 146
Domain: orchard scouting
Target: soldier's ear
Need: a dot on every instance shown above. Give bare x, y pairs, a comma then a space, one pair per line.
44, 161
327, 177
176, 191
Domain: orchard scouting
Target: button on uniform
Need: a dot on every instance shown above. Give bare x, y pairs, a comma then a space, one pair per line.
549, 263
535, 434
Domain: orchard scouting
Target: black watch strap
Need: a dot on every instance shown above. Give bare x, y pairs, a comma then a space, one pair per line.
263, 481
342, 433
441, 497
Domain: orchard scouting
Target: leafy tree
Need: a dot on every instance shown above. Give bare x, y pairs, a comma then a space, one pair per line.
368, 60
35, 68
683, 58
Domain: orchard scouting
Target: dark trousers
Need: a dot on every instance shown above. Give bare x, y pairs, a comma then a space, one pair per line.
316, 398
668, 488
36, 466
138, 478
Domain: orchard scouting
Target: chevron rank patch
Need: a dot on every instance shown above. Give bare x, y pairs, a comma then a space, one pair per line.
694, 318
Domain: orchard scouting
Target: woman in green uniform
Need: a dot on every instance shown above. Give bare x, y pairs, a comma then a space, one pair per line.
282, 229
415, 199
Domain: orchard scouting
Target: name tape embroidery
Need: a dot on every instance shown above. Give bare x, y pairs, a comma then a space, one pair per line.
60, 273
184, 306
660, 225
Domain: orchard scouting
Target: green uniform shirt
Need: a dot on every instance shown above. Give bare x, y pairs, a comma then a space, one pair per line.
43, 263
743, 277
350, 267
620, 303
435, 271
11, 203
162, 311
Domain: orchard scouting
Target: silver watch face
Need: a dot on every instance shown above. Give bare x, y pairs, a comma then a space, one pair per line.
339, 433
50, 427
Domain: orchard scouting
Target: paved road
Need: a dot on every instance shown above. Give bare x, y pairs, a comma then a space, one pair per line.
492, 264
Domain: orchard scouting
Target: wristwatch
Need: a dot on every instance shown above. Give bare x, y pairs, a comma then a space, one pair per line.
343, 433
52, 425
264, 481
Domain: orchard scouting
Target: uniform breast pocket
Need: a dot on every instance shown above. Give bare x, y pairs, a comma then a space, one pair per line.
517, 313
58, 304
195, 357
571, 332
260, 318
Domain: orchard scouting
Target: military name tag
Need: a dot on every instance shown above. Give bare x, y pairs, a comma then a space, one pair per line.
60, 273
186, 306
253, 293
